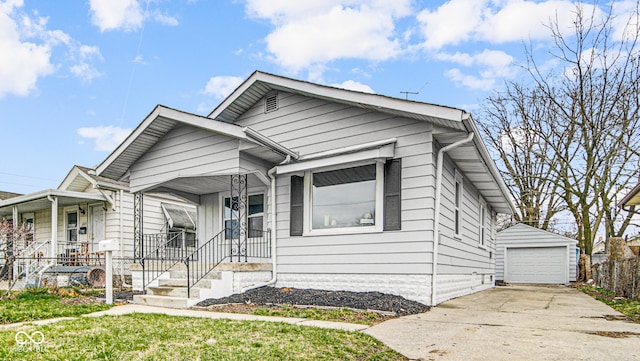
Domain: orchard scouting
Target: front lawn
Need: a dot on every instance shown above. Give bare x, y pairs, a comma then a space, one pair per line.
161, 337
43, 303
336, 314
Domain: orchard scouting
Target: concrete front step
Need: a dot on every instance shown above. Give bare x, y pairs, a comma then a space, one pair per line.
162, 301
213, 275
173, 291
182, 282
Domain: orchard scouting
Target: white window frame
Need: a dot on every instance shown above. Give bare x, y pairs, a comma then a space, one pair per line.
263, 214
458, 204
308, 201
67, 211
482, 229
30, 215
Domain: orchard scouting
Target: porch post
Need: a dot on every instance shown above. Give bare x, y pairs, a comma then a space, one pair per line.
14, 248
239, 207
137, 226
54, 226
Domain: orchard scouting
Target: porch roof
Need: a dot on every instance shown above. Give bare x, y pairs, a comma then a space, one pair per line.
163, 119
40, 200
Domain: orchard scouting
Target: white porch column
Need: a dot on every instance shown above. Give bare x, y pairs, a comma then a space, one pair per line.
15, 217
54, 225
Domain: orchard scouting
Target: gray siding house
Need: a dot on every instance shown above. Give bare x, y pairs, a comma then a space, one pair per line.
347, 190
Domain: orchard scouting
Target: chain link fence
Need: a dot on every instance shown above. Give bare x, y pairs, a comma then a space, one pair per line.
35, 272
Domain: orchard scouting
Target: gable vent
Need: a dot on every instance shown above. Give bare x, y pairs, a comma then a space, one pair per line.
271, 102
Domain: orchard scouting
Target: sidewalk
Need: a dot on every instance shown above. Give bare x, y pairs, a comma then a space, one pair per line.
131, 308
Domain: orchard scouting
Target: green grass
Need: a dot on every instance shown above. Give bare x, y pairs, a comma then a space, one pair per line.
628, 307
339, 315
44, 303
161, 337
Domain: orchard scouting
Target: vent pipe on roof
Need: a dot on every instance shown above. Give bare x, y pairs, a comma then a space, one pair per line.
436, 217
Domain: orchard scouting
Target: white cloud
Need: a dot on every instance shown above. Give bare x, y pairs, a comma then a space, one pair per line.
28, 62
106, 138
222, 86
127, 15
354, 85
32, 46
116, 14
494, 21
451, 23
490, 66
164, 19
85, 72
309, 34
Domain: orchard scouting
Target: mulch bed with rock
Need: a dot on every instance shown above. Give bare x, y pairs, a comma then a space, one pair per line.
370, 301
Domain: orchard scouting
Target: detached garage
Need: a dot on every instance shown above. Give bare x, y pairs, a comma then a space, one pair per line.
526, 254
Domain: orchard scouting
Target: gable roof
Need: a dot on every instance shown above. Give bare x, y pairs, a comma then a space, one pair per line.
163, 119
80, 178
450, 125
256, 86
7, 195
519, 228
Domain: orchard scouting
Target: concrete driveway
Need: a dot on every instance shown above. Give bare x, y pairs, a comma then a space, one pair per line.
522, 322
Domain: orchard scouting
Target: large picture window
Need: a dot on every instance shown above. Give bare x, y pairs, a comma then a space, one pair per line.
344, 198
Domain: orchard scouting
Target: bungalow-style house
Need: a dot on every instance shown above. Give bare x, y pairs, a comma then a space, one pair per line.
68, 222
328, 188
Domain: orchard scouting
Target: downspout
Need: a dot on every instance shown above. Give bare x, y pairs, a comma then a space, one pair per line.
121, 216
274, 270
436, 217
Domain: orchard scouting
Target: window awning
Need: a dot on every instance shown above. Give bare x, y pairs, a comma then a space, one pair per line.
374, 150
179, 216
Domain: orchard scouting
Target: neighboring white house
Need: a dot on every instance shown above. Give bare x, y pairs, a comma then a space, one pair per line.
527, 254
349, 187
68, 222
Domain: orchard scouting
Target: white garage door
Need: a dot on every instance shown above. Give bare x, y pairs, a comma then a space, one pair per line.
537, 265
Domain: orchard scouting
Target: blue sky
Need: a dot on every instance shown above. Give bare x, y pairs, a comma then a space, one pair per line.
77, 76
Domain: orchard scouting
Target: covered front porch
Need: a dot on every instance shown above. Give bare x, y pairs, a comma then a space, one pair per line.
57, 229
231, 226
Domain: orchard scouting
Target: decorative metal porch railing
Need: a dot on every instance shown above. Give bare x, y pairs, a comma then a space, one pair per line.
220, 248
33, 261
162, 251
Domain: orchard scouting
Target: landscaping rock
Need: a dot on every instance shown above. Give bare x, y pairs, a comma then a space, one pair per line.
309, 297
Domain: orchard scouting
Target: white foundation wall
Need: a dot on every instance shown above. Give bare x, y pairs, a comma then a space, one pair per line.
246, 279
412, 287
452, 286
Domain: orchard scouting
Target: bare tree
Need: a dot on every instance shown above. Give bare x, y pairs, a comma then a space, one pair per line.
585, 120
11, 239
515, 123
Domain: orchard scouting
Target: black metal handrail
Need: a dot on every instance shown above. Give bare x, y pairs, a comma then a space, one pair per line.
222, 247
161, 251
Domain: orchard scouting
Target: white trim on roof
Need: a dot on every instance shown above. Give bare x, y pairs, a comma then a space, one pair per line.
50, 193
356, 98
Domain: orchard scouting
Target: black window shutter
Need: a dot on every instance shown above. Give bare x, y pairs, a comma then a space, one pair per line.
392, 179
296, 209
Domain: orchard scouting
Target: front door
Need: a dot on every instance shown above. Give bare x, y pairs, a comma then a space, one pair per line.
97, 225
